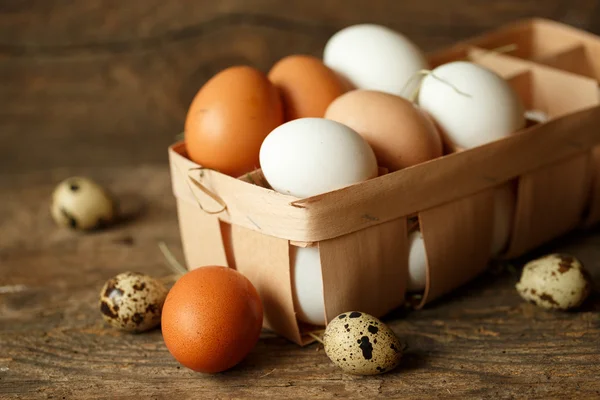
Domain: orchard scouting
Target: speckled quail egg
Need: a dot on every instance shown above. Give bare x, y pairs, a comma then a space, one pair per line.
132, 301
80, 203
360, 344
556, 281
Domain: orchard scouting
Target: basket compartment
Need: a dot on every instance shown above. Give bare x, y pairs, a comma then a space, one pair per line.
581, 60
552, 200
535, 39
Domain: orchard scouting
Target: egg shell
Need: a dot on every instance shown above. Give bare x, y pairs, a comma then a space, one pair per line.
307, 283
374, 57
417, 263
306, 85
211, 319
400, 134
229, 118
556, 281
132, 301
360, 344
471, 104
309, 156
81, 203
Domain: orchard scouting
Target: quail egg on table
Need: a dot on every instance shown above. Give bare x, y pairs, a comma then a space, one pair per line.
80, 203
132, 301
556, 281
360, 344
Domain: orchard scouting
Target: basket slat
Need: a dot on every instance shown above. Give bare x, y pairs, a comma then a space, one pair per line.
265, 261
201, 236
365, 270
457, 239
593, 214
550, 202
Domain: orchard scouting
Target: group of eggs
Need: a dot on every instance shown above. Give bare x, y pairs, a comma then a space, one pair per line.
314, 126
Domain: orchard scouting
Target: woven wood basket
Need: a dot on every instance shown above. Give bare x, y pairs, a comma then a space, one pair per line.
361, 230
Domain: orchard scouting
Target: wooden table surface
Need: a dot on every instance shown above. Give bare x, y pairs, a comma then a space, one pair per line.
100, 88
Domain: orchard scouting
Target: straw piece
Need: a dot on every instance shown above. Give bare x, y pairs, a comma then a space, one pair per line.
172, 262
421, 74
318, 339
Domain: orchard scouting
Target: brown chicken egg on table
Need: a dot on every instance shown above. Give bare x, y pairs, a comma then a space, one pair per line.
229, 118
211, 319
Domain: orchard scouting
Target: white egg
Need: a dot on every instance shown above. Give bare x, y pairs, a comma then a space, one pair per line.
504, 212
374, 57
307, 282
417, 263
471, 104
309, 156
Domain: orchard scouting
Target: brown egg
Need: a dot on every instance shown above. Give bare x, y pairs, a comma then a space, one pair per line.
399, 132
229, 118
211, 319
306, 85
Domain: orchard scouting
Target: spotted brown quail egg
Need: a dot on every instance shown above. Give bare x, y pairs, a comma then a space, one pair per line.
132, 301
556, 281
360, 344
80, 203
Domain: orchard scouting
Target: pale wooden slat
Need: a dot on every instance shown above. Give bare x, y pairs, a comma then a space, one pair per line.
365, 270
457, 239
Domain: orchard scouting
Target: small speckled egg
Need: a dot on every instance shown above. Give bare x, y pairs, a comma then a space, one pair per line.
360, 344
132, 301
80, 203
556, 281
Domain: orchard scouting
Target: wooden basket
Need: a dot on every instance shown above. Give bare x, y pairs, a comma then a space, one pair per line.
361, 230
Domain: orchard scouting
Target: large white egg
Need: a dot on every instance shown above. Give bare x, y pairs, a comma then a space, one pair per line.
309, 156
471, 104
504, 213
307, 282
374, 57
417, 263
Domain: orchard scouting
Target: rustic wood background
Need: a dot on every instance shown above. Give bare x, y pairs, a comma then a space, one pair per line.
100, 88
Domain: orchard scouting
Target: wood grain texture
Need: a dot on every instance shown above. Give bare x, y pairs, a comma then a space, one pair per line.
481, 341
103, 78
99, 88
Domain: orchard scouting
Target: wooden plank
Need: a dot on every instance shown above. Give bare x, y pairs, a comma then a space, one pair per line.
478, 340
365, 270
99, 88
129, 72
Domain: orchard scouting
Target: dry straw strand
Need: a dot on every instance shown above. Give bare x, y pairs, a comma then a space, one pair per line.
317, 338
499, 50
172, 262
421, 74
